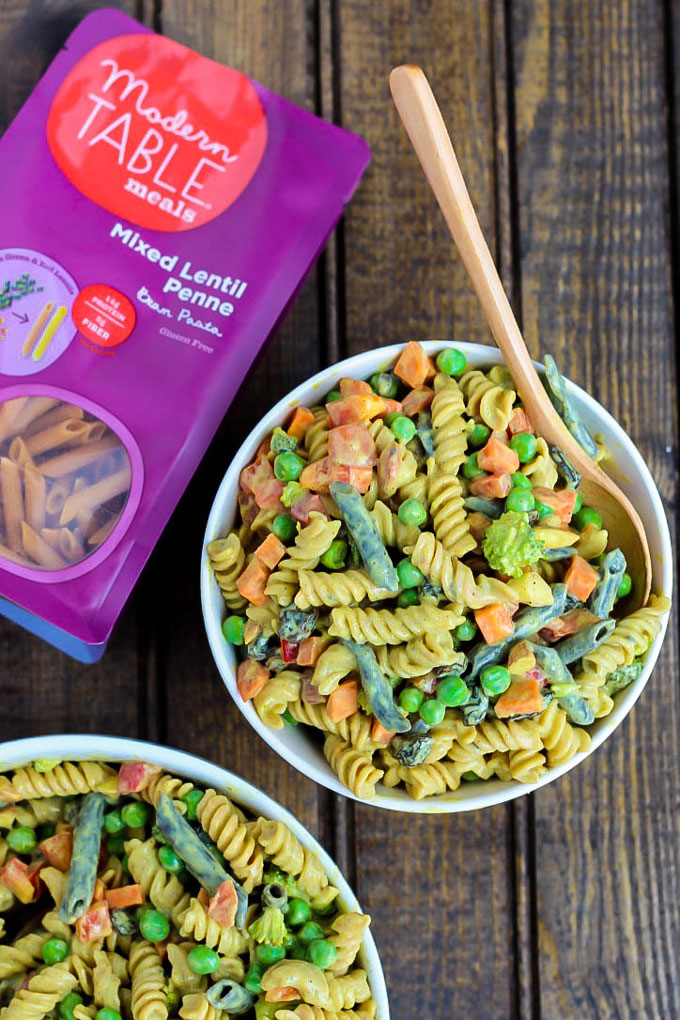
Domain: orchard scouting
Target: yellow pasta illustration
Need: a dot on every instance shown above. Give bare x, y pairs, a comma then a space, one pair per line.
49, 331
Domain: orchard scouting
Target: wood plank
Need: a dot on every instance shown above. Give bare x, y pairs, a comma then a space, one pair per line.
447, 879
593, 193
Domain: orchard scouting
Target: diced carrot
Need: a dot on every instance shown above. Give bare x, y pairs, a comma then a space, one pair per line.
14, 876
348, 387
521, 698
562, 502
282, 993
478, 524
359, 477
95, 923
302, 419
391, 407
564, 626
413, 365
99, 890
271, 551
519, 422
253, 581
57, 849
379, 735
317, 475
360, 407
352, 445
343, 701
491, 486
497, 458
251, 676
495, 622
580, 578
223, 904
417, 400
126, 896
310, 650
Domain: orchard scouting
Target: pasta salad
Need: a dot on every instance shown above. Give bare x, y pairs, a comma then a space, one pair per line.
414, 576
128, 892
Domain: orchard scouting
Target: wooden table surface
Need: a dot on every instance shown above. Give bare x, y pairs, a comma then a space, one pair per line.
563, 905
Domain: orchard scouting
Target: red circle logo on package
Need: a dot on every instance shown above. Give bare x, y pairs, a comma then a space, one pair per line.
155, 133
103, 315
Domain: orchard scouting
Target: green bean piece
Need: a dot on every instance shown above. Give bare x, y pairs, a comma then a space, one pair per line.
553, 555
425, 432
492, 508
561, 398
584, 641
82, 873
603, 597
363, 530
565, 469
230, 996
550, 663
197, 858
577, 708
378, 689
412, 750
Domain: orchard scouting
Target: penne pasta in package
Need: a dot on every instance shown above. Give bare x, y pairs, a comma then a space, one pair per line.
160, 213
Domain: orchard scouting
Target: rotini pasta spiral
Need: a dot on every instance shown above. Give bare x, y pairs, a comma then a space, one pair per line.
218, 818
266, 617
182, 976
173, 786
418, 656
592, 542
196, 1006
227, 560
455, 578
323, 589
541, 469
390, 528
498, 735
450, 429
354, 768
349, 930
148, 983
165, 892
355, 730
310, 545
279, 843
44, 990
23, 955
333, 665
306, 1012
391, 627
487, 401
62, 781
561, 740
195, 923
275, 696
105, 980
429, 780
527, 765
449, 518
316, 437
630, 638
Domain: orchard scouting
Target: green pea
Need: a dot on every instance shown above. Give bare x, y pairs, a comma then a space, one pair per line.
141, 910
22, 839
170, 860
233, 629
624, 587
478, 435
116, 845
266, 955
252, 982
288, 466
333, 395
309, 931
391, 417
297, 912
54, 951
452, 691
154, 927
334, 557
203, 960
466, 631
543, 510
403, 428
586, 515
407, 598
298, 953
284, 528
495, 680
412, 511
68, 1004
520, 481
524, 445
106, 1013
409, 575
451, 361
410, 699
45, 830
321, 953
385, 384
471, 468
290, 942
520, 500
192, 800
432, 712
136, 814
579, 502
113, 822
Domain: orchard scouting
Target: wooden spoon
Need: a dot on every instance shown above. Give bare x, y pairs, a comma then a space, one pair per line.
425, 126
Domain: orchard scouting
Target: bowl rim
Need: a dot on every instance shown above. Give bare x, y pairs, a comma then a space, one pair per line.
93, 747
397, 799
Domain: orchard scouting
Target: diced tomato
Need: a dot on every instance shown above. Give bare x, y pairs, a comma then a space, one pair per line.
497, 458
359, 477
413, 365
259, 479
522, 697
271, 551
126, 896
491, 486
308, 503
348, 387
417, 400
519, 422
134, 776
478, 524
95, 923
248, 506
360, 407
342, 702
289, 650
379, 735
389, 468
301, 421
282, 993
251, 676
351, 445
223, 904
310, 650
580, 578
253, 582
495, 622
564, 626
309, 693
57, 849
562, 501
317, 475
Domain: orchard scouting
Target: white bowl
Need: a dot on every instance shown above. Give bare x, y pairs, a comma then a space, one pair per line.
76, 747
293, 743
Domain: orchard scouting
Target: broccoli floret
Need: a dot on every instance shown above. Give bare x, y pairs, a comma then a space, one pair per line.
624, 676
274, 876
510, 545
173, 997
270, 927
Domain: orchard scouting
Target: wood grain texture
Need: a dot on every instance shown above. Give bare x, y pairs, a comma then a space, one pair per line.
593, 224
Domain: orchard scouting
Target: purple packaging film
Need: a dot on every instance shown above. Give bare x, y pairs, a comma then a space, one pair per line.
168, 208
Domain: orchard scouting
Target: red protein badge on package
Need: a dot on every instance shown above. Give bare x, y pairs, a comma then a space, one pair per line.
161, 211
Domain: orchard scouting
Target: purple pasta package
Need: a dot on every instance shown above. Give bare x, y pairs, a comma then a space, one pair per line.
160, 211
